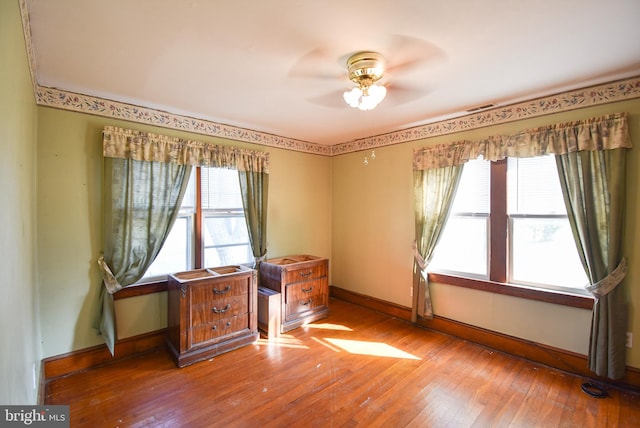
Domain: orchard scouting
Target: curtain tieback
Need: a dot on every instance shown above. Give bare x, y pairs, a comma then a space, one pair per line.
258, 260
610, 282
109, 279
418, 257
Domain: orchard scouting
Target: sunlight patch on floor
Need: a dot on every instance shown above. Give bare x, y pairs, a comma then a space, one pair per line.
327, 326
282, 341
326, 344
374, 349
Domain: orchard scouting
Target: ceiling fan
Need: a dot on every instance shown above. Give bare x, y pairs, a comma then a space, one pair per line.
365, 70
384, 73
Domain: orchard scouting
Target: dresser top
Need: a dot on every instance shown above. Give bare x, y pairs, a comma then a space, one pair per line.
215, 272
292, 260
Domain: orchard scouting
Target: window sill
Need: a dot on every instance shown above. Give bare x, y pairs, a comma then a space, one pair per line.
141, 289
548, 296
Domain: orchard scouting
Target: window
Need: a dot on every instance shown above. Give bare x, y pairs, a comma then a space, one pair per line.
512, 221
213, 233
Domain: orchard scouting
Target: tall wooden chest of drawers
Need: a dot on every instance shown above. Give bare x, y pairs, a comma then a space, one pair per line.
303, 284
211, 311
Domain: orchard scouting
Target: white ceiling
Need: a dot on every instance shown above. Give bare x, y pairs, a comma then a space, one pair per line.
279, 66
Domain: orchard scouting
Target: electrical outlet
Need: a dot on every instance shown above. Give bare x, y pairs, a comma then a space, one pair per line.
411, 291
629, 339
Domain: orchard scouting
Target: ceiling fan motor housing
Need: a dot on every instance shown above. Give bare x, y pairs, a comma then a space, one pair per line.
365, 68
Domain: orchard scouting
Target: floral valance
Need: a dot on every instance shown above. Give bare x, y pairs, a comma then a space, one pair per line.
145, 146
602, 133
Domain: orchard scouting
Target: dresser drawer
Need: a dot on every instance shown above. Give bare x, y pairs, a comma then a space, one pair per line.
217, 309
301, 308
305, 273
304, 290
219, 329
209, 291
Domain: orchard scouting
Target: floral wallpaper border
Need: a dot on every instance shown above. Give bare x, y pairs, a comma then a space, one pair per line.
571, 100
56, 98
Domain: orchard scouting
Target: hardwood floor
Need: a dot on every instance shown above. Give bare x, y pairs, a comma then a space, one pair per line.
355, 368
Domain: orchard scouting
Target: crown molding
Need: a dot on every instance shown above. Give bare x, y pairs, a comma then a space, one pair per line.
26, 30
566, 101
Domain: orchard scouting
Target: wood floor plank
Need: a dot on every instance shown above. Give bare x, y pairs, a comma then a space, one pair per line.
357, 368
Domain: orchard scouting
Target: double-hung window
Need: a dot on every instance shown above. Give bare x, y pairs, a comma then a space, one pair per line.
508, 224
210, 229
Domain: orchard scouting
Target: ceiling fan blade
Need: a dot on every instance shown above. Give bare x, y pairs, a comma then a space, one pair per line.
317, 64
400, 94
406, 53
332, 99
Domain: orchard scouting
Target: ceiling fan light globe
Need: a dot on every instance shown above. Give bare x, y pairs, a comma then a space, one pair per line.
377, 93
367, 103
352, 97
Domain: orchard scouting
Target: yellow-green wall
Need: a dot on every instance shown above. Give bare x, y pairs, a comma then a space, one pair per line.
70, 224
373, 231
19, 332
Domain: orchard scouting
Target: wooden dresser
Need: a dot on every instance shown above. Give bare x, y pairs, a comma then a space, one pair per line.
211, 311
303, 284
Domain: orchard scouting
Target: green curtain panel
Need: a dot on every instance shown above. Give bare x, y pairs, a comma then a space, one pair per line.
593, 185
141, 202
254, 187
434, 191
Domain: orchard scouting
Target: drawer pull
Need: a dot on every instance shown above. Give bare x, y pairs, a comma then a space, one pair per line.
306, 274
306, 303
307, 290
215, 327
226, 290
223, 310
228, 323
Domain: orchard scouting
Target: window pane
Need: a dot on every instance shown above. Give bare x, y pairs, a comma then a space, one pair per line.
220, 189
533, 186
175, 254
543, 252
469, 257
472, 195
226, 240
224, 256
189, 200
225, 230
